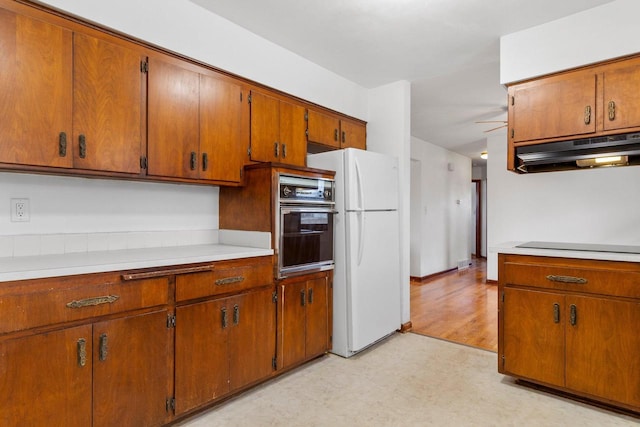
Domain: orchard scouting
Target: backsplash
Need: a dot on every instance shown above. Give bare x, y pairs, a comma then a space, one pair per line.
49, 244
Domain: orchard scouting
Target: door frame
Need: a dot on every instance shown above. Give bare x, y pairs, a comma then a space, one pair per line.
478, 184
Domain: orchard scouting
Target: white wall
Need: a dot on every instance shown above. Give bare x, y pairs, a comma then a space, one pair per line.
585, 206
444, 232
597, 34
389, 132
592, 206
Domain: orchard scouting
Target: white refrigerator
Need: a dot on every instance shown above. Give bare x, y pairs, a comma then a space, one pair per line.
366, 285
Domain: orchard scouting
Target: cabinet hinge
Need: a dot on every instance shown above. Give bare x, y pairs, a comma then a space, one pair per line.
306, 132
171, 404
171, 321
503, 361
274, 363
249, 151
513, 100
306, 116
502, 296
249, 99
240, 96
144, 67
512, 133
274, 296
143, 162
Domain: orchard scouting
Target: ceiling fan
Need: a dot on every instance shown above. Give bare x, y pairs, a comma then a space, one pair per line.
503, 125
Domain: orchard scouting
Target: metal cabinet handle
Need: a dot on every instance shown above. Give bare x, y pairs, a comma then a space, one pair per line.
82, 152
556, 313
62, 144
284, 151
573, 315
88, 302
567, 279
229, 280
194, 161
236, 314
303, 300
587, 114
344, 137
205, 161
310, 296
612, 110
276, 149
82, 352
103, 347
335, 134
224, 317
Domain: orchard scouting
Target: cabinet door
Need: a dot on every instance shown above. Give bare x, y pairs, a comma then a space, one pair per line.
292, 322
293, 134
252, 337
603, 348
621, 85
132, 375
173, 125
222, 140
46, 380
557, 106
533, 328
107, 106
202, 356
317, 317
353, 135
265, 128
324, 129
35, 92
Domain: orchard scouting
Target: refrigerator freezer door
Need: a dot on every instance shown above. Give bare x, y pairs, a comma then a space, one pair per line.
371, 180
373, 274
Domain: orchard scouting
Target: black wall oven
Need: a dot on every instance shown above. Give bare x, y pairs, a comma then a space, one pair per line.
305, 228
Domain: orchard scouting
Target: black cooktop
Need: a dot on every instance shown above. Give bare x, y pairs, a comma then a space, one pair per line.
591, 247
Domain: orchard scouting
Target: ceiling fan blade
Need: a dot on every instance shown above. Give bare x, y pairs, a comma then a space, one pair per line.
499, 127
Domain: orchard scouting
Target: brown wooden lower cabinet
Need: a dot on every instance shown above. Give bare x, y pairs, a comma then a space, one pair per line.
557, 328
304, 318
222, 345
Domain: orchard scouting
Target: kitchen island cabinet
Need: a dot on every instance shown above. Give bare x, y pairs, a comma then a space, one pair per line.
304, 318
568, 324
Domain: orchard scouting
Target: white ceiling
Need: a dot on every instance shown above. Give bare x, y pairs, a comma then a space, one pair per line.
447, 49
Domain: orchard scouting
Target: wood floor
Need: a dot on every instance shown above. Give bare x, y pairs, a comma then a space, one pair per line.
457, 306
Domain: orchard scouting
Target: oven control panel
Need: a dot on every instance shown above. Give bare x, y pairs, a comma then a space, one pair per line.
305, 189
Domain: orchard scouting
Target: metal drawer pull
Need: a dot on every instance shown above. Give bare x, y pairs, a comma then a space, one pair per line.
556, 313
573, 315
103, 347
567, 279
82, 352
169, 272
107, 299
229, 280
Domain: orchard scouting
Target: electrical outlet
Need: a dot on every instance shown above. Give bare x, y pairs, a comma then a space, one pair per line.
20, 210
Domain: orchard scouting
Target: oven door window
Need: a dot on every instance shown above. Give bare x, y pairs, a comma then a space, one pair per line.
307, 238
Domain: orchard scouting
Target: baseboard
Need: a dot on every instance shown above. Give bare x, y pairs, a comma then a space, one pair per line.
491, 282
431, 276
406, 327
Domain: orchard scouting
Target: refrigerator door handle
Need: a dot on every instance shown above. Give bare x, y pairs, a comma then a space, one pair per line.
360, 189
361, 219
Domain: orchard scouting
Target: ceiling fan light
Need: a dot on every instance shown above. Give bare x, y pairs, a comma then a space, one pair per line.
484, 155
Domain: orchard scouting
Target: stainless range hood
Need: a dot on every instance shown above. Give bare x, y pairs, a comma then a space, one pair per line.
621, 149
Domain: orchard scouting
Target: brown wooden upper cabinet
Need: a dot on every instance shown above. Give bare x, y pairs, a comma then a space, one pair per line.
70, 99
36, 85
334, 132
194, 123
278, 130
596, 100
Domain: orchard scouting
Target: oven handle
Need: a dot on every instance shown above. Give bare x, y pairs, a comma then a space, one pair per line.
288, 210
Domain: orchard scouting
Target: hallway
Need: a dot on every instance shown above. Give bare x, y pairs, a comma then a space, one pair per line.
458, 306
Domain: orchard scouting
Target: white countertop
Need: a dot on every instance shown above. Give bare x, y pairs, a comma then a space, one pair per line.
510, 248
41, 266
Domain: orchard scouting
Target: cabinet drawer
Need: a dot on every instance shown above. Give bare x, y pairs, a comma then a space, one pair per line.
226, 277
34, 303
588, 276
